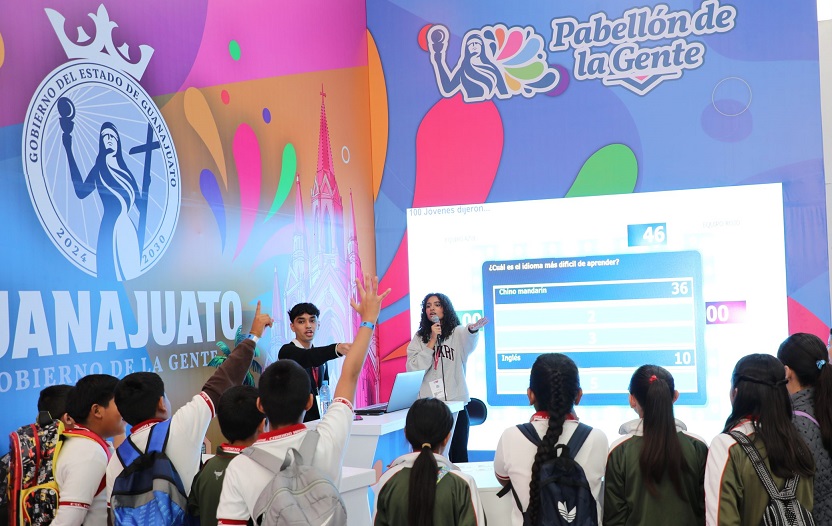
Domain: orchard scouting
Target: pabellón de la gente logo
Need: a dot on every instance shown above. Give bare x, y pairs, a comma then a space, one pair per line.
99, 160
637, 51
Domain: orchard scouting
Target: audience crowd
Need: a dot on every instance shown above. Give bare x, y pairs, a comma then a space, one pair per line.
656, 472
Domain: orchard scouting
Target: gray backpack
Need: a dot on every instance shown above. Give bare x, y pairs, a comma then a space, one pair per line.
299, 494
783, 508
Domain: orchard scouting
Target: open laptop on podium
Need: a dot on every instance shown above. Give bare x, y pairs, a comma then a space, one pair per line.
405, 391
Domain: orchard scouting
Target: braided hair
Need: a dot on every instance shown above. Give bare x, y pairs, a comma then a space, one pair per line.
555, 383
428, 424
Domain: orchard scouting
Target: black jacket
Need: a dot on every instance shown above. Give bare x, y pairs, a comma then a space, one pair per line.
309, 359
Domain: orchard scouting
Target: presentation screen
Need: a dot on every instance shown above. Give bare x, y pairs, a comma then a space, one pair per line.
690, 280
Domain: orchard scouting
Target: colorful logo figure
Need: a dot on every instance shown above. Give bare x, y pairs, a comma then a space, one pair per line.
100, 163
495, 61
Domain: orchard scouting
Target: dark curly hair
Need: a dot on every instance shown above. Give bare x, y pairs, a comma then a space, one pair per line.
450, 320
555, 383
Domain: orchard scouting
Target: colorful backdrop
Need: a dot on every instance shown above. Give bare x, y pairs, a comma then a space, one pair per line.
241, 172
285, 135
489, 102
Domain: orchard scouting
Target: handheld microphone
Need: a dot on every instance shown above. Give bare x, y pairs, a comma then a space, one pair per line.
435, 319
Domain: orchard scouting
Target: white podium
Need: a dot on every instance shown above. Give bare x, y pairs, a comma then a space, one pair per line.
376, 441
497, 510
354, 488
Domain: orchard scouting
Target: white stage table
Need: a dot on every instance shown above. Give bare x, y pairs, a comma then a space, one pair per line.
354, 488
376, 441
497, 510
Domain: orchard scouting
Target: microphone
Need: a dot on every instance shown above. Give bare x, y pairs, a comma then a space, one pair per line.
435, 319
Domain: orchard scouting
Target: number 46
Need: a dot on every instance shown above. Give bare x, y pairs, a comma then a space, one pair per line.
654, 235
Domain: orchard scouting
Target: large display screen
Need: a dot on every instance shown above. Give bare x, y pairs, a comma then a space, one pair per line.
609, 313
690, 280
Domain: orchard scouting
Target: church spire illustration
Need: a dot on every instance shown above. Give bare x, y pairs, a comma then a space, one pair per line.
325, 263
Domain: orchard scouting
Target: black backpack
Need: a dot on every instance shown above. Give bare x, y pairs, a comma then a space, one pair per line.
783, 508
565, 496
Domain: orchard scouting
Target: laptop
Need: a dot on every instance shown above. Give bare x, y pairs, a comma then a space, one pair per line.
405, 391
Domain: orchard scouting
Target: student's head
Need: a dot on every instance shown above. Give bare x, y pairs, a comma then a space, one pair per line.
436, 304
90, 403
554, 384
52, 400
428, 424
758, 393
806, 361
652, 393
141, 396
428, 429
240, 420
303, 320
554, 387
284, 393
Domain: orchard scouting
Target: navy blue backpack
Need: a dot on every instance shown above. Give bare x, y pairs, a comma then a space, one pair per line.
149, 492
565, 495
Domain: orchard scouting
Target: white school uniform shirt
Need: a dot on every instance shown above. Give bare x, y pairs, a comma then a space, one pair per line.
515, 455
245, 479
79, 472
184, 448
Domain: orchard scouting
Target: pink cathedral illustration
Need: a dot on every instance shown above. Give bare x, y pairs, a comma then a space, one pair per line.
324, 265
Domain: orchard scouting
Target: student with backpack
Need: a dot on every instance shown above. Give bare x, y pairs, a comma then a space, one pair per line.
34, 455
423, 488
656, 469
529, 454
241, 423
289, 454
82, 464
759, 443
52, 402
809, 382
51, 407
171, 440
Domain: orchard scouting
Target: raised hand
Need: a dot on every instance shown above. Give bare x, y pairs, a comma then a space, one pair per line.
479, 324
369, 304
368, 307
439, 39
260, 322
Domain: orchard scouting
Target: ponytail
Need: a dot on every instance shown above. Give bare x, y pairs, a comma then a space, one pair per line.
555, 383
428, 424
653, 388
422, 495
806, 355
